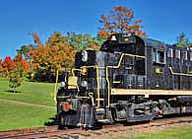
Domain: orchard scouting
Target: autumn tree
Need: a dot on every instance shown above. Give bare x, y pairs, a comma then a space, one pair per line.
56, 39
37, 39
17, 75
120, 20
22, 64
55, 54
8, 65
1, 68
183, 41
58, 52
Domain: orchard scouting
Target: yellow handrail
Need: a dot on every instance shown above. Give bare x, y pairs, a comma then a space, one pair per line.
107, 75
116, 67
180, 74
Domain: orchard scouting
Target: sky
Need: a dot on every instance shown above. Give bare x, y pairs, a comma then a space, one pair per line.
161, 19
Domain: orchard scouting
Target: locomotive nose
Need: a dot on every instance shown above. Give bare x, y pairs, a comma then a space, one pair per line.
85, 58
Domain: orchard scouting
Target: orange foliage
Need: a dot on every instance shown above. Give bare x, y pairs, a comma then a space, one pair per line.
21, 63
120, 20
17, 64
8, 65
1, 66
94, 46
52, 58
37, 40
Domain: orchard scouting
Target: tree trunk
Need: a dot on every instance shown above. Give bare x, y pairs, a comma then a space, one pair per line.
14, 90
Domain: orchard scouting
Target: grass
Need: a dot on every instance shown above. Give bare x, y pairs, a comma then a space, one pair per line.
31, 107
15, 116
25, 110
31, 92
173, 133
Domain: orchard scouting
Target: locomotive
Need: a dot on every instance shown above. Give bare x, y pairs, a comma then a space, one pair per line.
129, 79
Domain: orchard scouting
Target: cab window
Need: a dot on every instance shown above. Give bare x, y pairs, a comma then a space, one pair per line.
158, 56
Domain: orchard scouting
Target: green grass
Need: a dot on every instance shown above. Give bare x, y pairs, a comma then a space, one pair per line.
26, 108
38, 93
15, 116
173, 133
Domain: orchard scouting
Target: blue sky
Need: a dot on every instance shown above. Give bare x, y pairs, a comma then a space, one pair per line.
162, 19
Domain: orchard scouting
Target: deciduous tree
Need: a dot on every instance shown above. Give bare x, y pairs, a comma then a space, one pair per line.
55, 54
120, 20
1, 68
21, 64
15, 80
58, 51
8, 65
17, 75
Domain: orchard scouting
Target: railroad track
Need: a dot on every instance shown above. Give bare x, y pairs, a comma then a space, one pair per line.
107, 131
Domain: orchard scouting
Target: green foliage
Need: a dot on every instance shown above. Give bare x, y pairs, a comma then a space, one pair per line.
183, 41
82, 41
24, 50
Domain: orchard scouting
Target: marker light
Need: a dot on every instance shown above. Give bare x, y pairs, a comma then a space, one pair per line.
84, 56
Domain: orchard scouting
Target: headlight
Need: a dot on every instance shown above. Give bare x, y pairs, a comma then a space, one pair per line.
84, 56
62, 84
84, 84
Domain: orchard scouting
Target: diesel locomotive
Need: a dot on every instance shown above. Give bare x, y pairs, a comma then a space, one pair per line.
129, 79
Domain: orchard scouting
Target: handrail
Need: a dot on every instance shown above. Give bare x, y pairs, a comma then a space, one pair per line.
116, 67
180, 74
107, 74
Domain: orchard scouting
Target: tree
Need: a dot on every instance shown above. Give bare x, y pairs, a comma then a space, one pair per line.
56, 39
1, 68
37, 39
21, 64
24, 50
183, 41
17, 75
8, 65
15, 80
120, 20
82, 41
55, 54
52, 58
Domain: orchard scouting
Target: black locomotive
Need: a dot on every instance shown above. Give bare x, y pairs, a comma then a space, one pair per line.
130, 79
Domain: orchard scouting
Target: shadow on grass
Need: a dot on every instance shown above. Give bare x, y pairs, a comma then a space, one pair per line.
52, 121
12, 91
